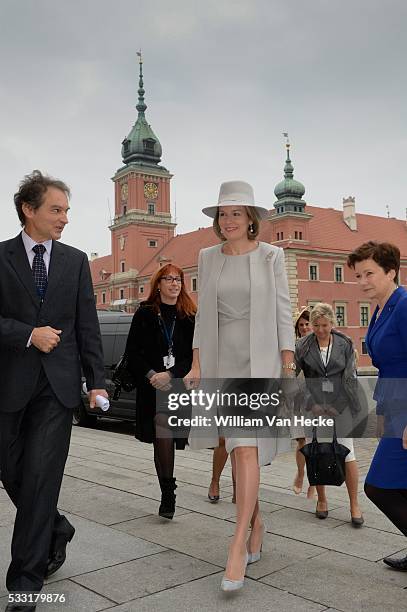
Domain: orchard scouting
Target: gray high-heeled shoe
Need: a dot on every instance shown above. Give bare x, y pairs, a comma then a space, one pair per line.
253, 557
228, 585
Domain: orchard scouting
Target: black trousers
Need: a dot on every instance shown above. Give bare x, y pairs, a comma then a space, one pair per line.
392, 502
34, 444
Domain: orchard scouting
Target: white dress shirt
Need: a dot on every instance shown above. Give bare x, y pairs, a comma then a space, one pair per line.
29, 243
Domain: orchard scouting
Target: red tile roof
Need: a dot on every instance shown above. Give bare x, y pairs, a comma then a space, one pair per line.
327, 231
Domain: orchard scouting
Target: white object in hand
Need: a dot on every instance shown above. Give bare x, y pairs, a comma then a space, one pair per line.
100, 401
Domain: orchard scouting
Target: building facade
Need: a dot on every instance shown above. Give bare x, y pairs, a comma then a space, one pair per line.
316, 240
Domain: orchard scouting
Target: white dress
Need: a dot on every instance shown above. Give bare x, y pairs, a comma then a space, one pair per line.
233, 299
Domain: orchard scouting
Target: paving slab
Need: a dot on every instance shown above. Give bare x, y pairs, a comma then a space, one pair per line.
144, 576
374, 520
96, 546
288, 499
333, 534
107, 506
279, 552
5, 545
77, 598
332, 581
202, 537
110, 475
205, 595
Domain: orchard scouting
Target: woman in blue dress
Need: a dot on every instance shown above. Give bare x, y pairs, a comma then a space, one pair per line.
377, 268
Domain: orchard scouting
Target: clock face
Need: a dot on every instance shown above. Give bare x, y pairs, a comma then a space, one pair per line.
151, 191
124, 191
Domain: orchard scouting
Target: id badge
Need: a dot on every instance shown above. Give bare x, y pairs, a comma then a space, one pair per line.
169, 361
327, 386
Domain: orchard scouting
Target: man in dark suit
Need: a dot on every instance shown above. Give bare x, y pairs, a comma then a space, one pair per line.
48, 331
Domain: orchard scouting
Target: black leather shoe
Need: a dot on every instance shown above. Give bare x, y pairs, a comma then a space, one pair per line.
20, 608
397, 564
57, 555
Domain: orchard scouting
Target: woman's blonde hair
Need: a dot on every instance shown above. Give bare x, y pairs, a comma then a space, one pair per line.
254, 219
322, 310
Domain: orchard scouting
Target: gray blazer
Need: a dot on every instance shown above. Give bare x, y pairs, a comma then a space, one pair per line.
68, 305
271, 327
341, 372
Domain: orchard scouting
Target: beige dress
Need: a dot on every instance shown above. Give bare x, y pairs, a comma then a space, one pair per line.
233, 300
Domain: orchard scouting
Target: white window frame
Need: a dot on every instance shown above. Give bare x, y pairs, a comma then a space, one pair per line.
152, 244
364, 305
316, 264
121, 293
194, 280
345, 313
340, 267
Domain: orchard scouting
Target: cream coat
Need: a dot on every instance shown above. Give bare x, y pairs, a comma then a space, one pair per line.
271, 328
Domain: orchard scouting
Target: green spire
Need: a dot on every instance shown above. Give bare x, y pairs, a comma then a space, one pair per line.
141, 147
289, 192
288, 168
141, 106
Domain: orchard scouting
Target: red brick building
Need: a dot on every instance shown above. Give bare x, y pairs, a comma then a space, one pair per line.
316, 240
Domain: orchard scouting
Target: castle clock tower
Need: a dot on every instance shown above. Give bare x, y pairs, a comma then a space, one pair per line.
142, 223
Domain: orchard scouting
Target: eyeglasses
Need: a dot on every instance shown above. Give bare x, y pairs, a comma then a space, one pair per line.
172, 279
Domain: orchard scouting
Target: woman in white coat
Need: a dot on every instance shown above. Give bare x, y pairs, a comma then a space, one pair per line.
243, 329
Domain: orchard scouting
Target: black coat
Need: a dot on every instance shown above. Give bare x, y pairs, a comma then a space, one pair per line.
146, 347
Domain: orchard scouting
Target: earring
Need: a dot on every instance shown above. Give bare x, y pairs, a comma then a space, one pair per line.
251, 228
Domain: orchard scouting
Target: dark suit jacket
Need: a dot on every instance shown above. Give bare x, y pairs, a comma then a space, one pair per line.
68, 305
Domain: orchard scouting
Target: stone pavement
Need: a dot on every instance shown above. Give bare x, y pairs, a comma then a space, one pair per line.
126, 558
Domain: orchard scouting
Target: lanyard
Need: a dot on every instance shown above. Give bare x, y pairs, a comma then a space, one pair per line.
324, 365
167, 334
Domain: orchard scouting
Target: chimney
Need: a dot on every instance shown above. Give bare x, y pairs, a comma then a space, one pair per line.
94, 256
349, 213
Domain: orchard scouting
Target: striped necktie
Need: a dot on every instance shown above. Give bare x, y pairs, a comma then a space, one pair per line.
39, 270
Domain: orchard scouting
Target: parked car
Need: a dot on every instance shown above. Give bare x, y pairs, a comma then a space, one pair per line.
114, 327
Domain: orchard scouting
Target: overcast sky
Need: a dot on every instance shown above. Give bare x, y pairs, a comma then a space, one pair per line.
223, 80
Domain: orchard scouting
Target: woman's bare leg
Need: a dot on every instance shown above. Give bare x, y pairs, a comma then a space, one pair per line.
352, 483
220, 457
247, 488
300, 461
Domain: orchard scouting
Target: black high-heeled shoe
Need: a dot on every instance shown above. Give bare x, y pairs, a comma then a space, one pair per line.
213, 498
321, 514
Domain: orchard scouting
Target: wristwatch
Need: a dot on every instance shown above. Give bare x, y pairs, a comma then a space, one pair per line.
289, 366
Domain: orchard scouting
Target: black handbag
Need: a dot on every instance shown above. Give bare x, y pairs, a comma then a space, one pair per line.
325, 461
122, 378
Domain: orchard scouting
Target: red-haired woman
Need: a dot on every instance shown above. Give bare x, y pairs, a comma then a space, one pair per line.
159, 348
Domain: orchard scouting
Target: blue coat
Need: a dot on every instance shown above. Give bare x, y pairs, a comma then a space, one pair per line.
387, 345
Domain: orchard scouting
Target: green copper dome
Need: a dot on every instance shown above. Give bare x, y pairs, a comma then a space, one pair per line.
141, 146
289, 192
289, 187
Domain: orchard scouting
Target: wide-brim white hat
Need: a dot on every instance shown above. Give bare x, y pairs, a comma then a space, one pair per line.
235, 193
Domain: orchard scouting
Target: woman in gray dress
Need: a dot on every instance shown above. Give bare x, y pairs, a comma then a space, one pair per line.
243, 330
